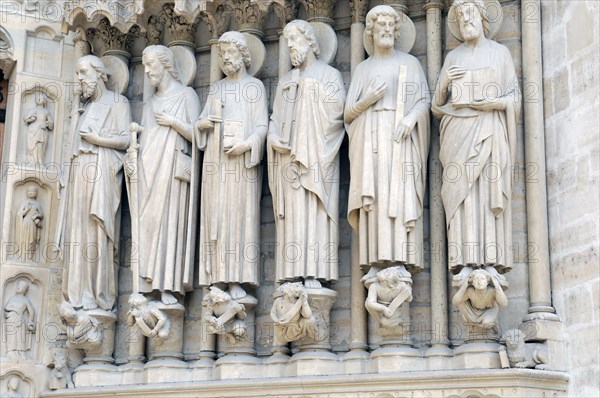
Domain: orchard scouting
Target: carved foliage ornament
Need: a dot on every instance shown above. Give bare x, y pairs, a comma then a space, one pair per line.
6, 52
112, 37
180, 29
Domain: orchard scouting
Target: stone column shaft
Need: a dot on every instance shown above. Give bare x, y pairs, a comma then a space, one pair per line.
358, 313
535, 151
357, 51
437, 220
285, 63
215, 69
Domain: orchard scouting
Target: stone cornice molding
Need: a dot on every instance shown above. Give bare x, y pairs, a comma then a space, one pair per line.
123, 14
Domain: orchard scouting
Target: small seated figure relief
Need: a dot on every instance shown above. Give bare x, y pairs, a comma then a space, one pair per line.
224, 315
28, 225
12, 388
147, 315
19, 324
392, 288
60, 375
40, 124
83, 331
479, 299
292, 314
525, 355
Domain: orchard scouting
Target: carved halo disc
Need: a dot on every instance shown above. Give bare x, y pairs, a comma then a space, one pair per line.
258, 53
118, 73
327, 40
185, 61
495, 14
408, 36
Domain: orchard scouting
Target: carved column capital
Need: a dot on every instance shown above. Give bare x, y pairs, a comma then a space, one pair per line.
286, 10
249, 16
319, 10
114, 41
155, 30
217, 20
398, 5
429, 4
359, 10
180, 29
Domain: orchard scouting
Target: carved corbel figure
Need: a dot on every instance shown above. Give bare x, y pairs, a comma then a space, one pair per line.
83, 330
147, 315
292, 314
392, 288
524, 355
60, 375
224, 315
479, 299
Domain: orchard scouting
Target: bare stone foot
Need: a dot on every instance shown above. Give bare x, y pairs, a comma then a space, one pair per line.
89, 304
312, 283
236, 291
168, 298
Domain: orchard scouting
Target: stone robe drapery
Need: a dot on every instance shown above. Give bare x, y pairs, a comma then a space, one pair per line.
305, 183
387, 178
27, 232
164, 194
94, 197
231, 185
477, 151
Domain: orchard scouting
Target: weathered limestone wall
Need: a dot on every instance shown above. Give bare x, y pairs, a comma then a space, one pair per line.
570, 43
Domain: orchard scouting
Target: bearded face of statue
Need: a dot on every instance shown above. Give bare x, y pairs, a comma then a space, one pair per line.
470, 23
231, 58
383, 31
88, 79
153, 69
298, 45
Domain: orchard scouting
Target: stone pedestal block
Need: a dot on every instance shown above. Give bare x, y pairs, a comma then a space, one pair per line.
132, 373
320, 301
356, 361
98, 368
202, 369
239, 361
96, 374
167, 370
477, 355
313, 355
170, 347
550, 331
396, 358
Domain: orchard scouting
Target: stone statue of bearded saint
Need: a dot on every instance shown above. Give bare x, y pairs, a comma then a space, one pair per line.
164, 161
231, 131
305, 134
387, 119
91, 224
478, 101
